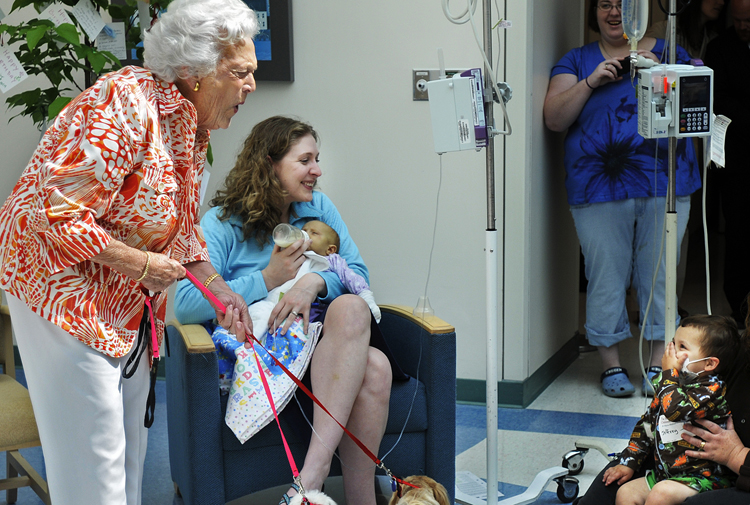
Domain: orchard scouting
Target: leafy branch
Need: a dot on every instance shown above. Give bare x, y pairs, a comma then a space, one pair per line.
63, 54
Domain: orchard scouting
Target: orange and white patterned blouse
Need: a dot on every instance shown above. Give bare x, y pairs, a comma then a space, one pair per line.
122, 161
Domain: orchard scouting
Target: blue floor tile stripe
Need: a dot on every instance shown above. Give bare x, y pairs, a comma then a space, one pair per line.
549, 421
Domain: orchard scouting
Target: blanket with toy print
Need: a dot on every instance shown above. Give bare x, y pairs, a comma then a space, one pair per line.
248, 409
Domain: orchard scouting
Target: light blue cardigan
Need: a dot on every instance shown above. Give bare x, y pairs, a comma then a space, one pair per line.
240, 262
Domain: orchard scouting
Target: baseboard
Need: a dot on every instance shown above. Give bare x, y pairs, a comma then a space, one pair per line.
520, 394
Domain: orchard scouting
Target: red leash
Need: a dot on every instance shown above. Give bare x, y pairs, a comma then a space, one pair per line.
292, 464
304, 388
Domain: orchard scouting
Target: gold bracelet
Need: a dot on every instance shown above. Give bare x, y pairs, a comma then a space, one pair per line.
145, 270
210, 280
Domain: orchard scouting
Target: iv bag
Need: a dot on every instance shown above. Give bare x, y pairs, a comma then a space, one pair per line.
634, 19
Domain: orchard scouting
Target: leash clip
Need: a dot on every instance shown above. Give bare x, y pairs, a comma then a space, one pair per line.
395, 487
301, 488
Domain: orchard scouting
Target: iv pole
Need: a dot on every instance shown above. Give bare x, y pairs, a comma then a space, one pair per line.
491, 271
670, 308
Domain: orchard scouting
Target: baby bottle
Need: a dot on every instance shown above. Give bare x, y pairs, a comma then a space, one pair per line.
285, 235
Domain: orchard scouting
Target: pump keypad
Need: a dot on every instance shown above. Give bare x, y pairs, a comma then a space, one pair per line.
694, 119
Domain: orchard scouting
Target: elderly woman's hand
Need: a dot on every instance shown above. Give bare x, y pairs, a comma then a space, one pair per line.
296, 302
284, 263
236, 319
721, 446
154, 271
162, 272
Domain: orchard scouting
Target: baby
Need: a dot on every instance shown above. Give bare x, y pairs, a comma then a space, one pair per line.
325, 242
688, 389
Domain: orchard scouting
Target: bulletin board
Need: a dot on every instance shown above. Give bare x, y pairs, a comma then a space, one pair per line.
273, 45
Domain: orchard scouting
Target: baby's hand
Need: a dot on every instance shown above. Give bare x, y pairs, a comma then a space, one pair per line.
671, 358
620, 474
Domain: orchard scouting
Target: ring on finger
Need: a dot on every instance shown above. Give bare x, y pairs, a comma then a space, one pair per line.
703, 444
295, 314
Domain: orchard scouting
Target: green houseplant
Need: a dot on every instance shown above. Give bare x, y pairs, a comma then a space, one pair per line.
65, 55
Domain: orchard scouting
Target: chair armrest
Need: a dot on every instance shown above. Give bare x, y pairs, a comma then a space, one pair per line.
410, 337
431, 324
194, 414
426, 349
196, 338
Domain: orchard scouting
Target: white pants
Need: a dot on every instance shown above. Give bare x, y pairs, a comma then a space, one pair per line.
90, 419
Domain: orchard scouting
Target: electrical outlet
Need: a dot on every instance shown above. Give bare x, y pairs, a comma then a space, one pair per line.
420, 79
419, 88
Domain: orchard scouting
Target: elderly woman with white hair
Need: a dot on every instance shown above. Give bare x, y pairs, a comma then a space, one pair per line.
102, 221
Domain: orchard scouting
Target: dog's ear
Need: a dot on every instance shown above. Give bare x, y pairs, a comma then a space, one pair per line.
441, 495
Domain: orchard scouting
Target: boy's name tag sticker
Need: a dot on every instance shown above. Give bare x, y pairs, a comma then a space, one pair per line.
670, 431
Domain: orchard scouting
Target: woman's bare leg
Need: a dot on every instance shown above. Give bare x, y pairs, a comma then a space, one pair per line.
367, 422
657, 352
353, 381
610, 356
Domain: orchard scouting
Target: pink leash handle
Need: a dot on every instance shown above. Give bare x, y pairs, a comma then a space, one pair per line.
154, 340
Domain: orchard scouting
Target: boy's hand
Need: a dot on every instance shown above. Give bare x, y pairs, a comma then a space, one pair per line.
671, 358
620, 474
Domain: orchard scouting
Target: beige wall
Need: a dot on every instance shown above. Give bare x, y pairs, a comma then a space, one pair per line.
353, 63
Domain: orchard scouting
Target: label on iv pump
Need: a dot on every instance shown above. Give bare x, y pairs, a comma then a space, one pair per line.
717, 139
463, 131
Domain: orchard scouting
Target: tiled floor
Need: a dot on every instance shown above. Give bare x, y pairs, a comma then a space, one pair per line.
530, 440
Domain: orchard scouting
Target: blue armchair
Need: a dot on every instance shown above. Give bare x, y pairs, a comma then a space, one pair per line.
210, 466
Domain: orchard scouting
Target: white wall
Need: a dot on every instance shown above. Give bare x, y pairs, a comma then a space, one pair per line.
541, 248
353, 63
554, 244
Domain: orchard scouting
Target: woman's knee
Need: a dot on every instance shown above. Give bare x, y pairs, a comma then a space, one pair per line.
350, 312
378, 374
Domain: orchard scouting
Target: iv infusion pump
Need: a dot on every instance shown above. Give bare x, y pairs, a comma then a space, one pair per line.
457, 112
675, 101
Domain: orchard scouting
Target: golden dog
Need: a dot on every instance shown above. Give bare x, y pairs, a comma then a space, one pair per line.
428, 492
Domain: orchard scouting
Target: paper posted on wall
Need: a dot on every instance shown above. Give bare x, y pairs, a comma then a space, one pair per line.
11, 70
